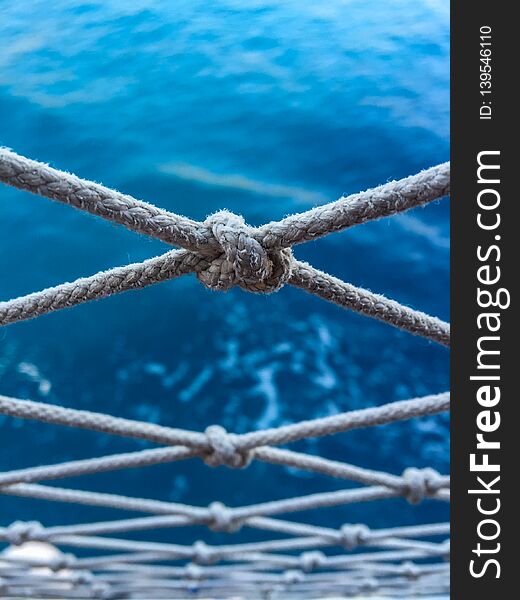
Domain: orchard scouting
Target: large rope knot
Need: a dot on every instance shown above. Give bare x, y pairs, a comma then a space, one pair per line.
243, 261
420, 483
20, 532
353, 536
224, 450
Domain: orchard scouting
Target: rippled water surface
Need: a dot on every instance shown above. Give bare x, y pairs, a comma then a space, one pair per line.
264, 108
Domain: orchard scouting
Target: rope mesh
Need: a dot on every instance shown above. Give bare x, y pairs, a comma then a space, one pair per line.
223, 252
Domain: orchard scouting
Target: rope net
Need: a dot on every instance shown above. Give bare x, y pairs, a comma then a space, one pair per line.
223, 252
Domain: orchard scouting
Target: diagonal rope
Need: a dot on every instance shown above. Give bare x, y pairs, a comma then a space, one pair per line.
168, 266
174, 264
341, 422
388, 199
228, 233
223, 252
362, 301
275, 507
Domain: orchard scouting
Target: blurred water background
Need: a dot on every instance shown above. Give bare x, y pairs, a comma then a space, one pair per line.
264, 108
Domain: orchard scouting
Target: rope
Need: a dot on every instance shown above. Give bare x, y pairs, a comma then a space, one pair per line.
366, 303
227, 447
224, 252
171, 265
385, 200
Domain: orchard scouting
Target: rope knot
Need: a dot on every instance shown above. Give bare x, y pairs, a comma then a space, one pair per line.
20, 532
193, 571
84, 578
101, 590
243, 260
369, 584
222, 518
224, 450
292, 576
411, 570
420, 483
63, 561
312, 560
353, 536
202, 553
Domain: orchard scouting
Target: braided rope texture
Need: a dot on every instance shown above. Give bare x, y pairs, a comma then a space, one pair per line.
224, 252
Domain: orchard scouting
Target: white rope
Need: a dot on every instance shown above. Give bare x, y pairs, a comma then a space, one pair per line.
224, 252
388, 199
219, 441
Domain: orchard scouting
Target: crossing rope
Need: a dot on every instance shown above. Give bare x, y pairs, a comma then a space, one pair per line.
224, 252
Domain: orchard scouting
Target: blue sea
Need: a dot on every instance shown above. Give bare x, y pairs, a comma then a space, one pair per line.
265, 108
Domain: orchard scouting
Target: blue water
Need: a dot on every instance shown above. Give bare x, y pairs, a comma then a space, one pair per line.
264, 108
